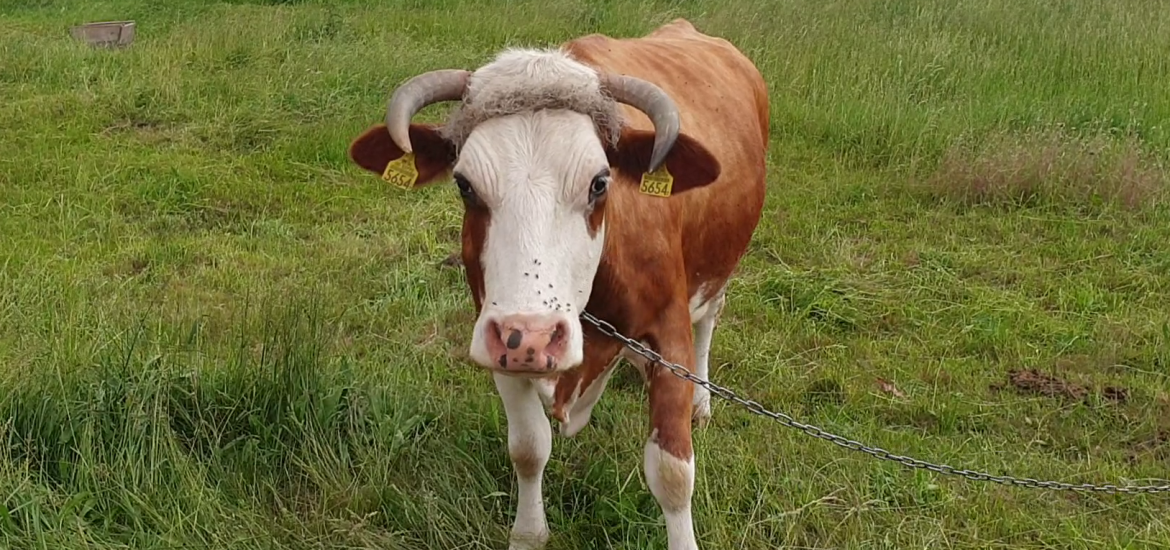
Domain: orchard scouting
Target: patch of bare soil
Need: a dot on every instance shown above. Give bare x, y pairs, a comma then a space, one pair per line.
1114, 393
1034, 382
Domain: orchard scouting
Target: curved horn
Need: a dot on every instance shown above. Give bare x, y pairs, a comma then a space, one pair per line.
418, 92
653, 101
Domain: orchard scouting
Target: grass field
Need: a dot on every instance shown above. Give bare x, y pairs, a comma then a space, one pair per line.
216, 332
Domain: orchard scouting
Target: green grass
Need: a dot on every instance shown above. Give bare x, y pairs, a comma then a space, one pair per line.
215, 332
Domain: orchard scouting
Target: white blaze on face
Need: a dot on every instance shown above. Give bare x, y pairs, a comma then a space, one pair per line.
533, 173
532, 168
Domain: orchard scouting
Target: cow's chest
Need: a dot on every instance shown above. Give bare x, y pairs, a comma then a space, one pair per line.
570, 398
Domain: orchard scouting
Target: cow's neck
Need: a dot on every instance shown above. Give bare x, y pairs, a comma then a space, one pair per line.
614, 295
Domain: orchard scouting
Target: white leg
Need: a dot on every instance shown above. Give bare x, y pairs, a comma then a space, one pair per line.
704, 329
672, 481
529, 446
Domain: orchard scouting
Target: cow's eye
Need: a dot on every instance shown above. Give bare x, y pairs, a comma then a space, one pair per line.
464, 186
598, 187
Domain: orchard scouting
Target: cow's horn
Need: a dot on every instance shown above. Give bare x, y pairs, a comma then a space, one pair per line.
418, 92
653, 101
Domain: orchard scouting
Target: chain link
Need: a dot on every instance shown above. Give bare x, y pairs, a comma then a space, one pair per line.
808, 429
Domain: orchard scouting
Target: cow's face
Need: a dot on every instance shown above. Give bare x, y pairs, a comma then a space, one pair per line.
535, 185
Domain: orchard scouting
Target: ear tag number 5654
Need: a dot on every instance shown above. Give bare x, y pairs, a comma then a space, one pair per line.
401, 172
657, 183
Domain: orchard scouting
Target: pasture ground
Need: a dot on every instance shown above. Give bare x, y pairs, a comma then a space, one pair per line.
216, 332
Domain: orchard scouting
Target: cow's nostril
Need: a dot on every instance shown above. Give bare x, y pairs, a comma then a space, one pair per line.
558, 333
514, 338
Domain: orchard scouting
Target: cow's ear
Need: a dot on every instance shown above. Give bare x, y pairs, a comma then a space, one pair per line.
433, 155
689, 163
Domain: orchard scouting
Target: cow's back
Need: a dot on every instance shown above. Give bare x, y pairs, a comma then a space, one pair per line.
720, 93
723, 103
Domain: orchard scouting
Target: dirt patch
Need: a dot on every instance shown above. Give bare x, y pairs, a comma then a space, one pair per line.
1034, 382
1114, 393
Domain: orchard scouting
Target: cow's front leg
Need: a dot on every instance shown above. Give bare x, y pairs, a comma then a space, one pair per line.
669, 456
529, 446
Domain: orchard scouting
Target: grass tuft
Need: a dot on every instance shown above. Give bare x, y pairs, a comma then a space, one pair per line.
1050, 167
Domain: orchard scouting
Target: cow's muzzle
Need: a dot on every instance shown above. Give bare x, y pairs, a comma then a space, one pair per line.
527, 344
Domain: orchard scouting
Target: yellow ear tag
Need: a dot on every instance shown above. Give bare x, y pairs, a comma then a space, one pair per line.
657, 183
401, 172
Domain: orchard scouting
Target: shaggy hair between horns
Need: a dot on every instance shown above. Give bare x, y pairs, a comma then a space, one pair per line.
520, 81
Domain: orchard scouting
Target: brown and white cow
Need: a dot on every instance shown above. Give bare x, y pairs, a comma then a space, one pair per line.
547, 149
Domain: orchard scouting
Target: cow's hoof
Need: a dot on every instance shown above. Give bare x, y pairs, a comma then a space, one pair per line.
528, 541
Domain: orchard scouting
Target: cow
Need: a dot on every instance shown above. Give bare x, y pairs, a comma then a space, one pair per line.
619, 176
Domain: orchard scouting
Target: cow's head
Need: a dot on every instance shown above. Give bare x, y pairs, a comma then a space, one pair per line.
534, 148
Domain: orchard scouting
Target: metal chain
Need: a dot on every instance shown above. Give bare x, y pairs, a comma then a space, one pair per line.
808, 429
